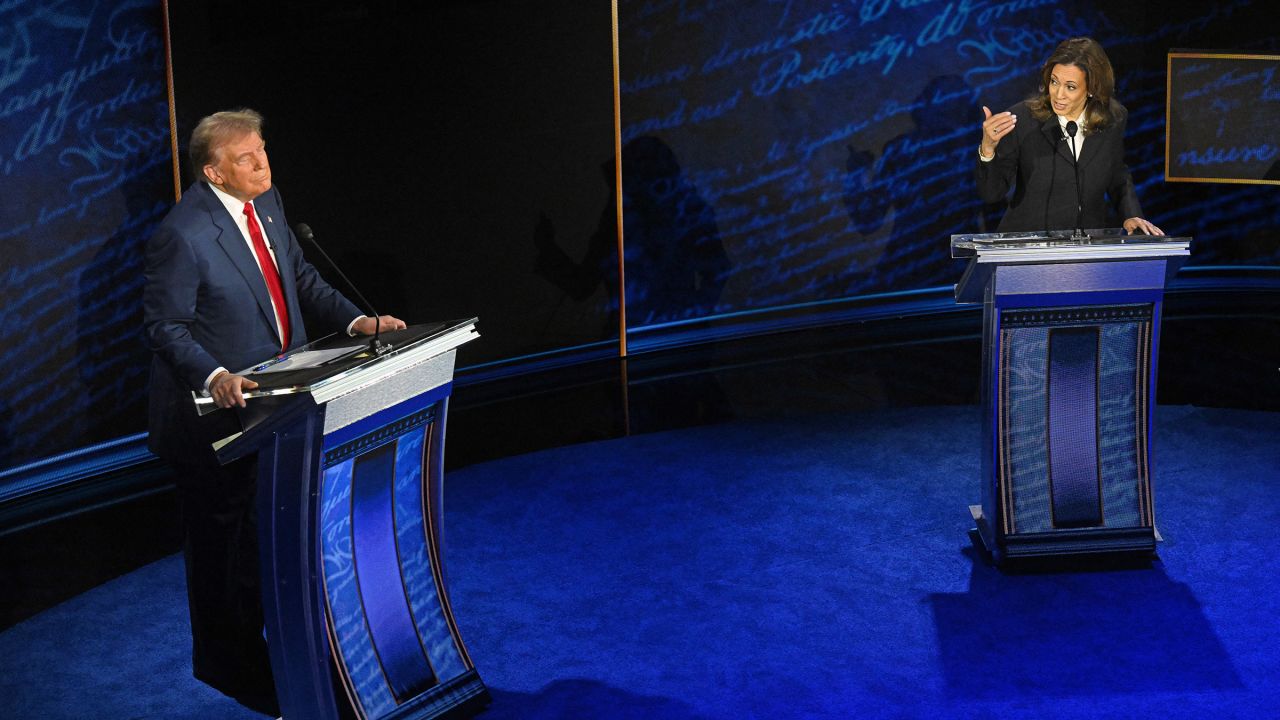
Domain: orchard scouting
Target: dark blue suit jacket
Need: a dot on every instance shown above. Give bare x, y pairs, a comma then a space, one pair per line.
1036, 162
206, 305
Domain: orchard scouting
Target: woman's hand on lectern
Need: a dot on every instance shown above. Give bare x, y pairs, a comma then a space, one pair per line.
1136, 224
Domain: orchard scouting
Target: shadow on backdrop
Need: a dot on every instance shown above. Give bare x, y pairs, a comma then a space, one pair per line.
923, 185
112, 359
676, 264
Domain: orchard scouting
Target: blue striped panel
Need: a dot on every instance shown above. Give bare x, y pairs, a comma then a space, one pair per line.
346, 612
415, 560
1073, 427
1118, 424
386, 609
1025, 447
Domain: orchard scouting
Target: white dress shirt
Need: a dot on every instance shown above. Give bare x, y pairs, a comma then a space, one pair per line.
1079, 141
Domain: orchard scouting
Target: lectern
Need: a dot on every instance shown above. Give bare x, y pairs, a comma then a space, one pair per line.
1071, 330
350, 446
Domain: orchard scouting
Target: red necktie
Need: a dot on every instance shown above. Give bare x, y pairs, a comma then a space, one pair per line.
270, 274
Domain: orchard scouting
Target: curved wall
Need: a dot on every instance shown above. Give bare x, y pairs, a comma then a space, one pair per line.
85, 167
780, 158
804, 152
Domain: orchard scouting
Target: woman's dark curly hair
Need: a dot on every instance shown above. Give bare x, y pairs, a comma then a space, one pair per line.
1086, 54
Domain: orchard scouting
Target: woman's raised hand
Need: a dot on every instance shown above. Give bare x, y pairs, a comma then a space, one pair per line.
995, 127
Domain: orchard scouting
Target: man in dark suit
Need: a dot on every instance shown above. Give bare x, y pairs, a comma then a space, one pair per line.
226, 287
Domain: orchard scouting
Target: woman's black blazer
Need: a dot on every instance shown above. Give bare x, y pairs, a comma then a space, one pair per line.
1035, 159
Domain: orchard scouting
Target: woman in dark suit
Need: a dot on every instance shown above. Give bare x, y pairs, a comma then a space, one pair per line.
1030, 148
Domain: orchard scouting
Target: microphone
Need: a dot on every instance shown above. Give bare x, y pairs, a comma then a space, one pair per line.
375, 345
1053, 173
1079, 233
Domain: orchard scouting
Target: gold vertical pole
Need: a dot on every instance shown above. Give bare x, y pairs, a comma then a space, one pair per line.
617, 180
173, 118
1168, 109
622, 266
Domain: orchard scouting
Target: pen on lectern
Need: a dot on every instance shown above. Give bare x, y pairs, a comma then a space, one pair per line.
269, 363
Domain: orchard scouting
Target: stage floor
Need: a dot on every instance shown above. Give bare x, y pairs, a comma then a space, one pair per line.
808, 566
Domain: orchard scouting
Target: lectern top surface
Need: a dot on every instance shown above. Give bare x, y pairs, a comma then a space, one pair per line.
329, 360
988, 251
971, 244
329, 356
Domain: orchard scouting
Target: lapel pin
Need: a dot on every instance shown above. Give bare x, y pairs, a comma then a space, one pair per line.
268, 218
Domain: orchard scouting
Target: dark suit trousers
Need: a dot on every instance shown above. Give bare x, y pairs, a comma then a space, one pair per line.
220, 546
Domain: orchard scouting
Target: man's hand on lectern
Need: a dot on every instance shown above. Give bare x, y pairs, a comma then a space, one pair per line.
228, 389
365, 325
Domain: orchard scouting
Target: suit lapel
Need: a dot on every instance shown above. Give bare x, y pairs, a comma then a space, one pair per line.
1090, 149
272, 225
232, 242
277, 231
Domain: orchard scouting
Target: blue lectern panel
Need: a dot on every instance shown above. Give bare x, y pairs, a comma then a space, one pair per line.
1074, 480
1120, 432
377, 562
1053, 280
396, 645
1106, 435
421, 575
351, 638
1025, 461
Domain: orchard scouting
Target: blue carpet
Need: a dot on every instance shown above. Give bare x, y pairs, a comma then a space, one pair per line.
814, 567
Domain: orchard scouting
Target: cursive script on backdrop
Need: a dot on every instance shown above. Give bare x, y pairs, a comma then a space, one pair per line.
84, 157
834, 142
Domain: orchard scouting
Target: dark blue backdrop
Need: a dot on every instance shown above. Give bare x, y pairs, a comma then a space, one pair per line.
826, 149
776, 152
84, 152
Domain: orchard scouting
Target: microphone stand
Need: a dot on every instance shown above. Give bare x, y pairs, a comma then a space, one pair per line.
1079, 233
376, 346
